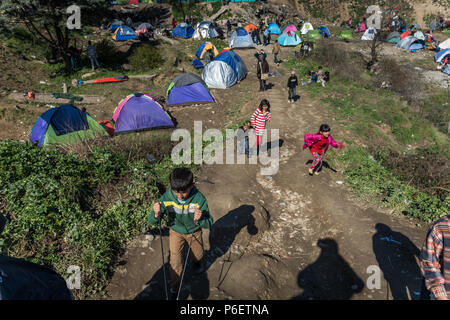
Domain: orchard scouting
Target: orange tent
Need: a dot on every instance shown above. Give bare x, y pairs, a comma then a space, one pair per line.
250, 27
405, 34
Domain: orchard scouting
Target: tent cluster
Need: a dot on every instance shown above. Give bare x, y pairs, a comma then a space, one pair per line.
121, 31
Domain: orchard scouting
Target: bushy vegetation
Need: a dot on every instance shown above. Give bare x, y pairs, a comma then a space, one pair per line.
145, 58
81, 204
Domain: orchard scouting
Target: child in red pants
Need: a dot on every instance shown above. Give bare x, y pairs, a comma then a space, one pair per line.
318, 144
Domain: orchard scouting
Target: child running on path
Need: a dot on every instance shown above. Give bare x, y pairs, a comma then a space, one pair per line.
259, 119
318, 144
188, 213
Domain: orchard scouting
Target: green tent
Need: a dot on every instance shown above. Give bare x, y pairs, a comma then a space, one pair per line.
313, 34
346, 34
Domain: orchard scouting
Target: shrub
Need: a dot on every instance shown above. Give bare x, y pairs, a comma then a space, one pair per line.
145, 57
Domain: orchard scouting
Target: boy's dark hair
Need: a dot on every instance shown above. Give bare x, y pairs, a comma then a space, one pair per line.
181, 179
324, 128
89, 42
264, 102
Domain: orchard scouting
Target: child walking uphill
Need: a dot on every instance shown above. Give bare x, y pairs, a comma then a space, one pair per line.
187, 211
318, 144
259, 119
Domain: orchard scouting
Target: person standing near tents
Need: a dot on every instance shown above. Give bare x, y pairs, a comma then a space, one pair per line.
292, 84
266, 36
276, 50
435, 259
259, 120
258, 38
187, 211
174, 23
228, 24
92, 54
262, 72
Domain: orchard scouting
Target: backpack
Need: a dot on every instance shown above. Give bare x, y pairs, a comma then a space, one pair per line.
326, 76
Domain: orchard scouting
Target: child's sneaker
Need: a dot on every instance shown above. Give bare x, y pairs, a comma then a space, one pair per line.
310, 172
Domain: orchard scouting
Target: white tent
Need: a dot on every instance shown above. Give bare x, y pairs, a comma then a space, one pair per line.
306, 27
445, 44
369, 34
419, 35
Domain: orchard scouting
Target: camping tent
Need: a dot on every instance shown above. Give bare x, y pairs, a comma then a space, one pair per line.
205, 30
289, 39
115, 24
405, 34
393, 37
416, 27
445, 44
224, 71
240, 39
183, 30
124, 33
306, 27
145, 25
313, 34
290, 27
407, 42
186, 89
369, 34
346, 34
140, 111
438, 57
64, 125
447, 70
273, 28
24, 280
419, 35
433, 25
250, 27
325, 33
204, 47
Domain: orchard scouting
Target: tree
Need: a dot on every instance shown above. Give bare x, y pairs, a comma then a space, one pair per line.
47, 20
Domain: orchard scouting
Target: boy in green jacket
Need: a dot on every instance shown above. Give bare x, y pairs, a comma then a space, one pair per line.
188, 213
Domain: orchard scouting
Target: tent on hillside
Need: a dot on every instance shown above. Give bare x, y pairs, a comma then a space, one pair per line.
124, 33
346, 34
240, 39
140, 111
313, 34
445, 44
438, 57
306, 27
289, 39
433, 25
447, 70
133, 2
290, 27
207, 29
393, 37
369, 34
225, 70
144, 25
324, 32
419, 35
115, 24
410, 43
64, 125
183, 30
187, 89
24, 280
405, 34
416, 27
204, 47
273, 28
250, 27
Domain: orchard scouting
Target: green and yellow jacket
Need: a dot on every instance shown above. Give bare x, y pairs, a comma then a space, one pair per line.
181, 213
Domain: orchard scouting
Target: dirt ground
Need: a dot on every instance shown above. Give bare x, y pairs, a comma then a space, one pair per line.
287, 235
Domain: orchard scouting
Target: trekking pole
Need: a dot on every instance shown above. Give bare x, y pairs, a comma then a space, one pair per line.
185, 264
163, 263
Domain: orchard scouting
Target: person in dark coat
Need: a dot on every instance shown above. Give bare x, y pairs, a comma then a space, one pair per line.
292, 84
262, 72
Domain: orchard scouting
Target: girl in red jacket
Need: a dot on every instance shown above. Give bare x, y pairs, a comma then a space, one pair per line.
318, 144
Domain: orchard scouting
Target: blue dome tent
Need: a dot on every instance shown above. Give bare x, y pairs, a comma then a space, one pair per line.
224, 71
274, 28
289, 39
241, 39
183, 30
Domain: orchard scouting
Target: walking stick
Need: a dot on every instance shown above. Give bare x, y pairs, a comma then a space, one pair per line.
185, 264
163, 263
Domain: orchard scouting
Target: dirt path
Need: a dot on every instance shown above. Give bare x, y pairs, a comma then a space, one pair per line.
285, 236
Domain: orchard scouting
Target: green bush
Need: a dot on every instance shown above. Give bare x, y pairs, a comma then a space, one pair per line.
145, 57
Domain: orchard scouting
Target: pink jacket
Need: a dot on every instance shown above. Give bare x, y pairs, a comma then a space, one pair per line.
310, 139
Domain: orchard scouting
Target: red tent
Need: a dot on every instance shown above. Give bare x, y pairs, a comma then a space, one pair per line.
405, 34
133, 2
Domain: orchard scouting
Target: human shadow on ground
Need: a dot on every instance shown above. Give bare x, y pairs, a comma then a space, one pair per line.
324, 165
397, 258
221, 237
272, 144
330, 277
